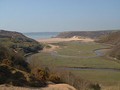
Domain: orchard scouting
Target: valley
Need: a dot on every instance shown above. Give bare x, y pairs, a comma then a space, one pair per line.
81, 59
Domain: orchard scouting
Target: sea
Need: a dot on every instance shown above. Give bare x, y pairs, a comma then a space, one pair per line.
41, 35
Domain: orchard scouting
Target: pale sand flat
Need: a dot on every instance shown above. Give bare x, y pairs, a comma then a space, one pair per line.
56, 40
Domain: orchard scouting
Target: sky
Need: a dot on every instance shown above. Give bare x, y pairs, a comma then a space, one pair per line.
59, 15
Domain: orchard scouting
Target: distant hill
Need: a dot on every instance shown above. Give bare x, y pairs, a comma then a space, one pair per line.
14, 35
114, 39
4, 33
89, 34
19, 42
106, 36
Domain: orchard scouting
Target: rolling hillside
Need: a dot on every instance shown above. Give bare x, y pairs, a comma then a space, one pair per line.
114, 39
89, 34
19, 42
107, 36
14, 70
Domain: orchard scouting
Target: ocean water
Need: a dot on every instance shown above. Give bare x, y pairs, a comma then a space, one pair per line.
39, 35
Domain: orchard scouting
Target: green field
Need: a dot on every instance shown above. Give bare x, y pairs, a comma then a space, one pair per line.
77, 54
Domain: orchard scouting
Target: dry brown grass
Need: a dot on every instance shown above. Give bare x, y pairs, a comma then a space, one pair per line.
116, 87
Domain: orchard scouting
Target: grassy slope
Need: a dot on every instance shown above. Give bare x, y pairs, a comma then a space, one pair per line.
19, 42
13, 67
114, 39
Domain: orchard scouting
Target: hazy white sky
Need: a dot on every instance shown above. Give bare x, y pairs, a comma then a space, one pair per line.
59, 15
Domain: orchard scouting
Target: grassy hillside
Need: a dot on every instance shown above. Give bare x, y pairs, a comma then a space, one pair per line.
90, 34
18, 42
14, 69
114, 39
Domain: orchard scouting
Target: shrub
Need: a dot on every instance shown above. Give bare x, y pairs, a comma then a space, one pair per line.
32, 48
3, 78
18, 79
4, 53
55, 78
7, 62
20, 63
75, 81
48, 46
95, 86
4, 74
37, 83
40, 74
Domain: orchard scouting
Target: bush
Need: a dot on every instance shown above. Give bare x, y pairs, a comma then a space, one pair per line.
37, 83
48, 46
7, 62
32, 48
4, 74
18, 79
4, 53
71, 79
20, 63
55, 78
3, 78
40, 74
95, 87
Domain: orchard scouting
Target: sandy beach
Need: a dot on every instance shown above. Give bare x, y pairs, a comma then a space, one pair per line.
49, 41
56, 40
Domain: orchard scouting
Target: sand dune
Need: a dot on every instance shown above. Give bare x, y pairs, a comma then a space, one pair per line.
56, 40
